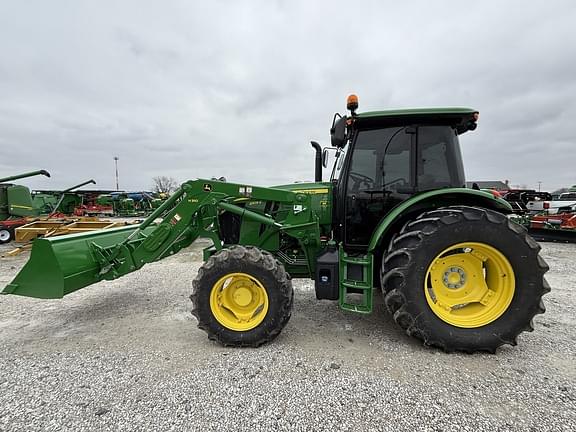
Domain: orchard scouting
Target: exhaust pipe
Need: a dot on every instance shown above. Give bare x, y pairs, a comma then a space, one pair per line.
317, 162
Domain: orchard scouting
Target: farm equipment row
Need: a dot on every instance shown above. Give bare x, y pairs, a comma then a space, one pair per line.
124, 204
560, 227
25, 215
546, 219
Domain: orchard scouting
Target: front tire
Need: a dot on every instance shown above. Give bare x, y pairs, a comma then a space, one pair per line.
242, 297
464, 279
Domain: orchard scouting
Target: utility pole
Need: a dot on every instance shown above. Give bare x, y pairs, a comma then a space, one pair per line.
539, 184
116, 164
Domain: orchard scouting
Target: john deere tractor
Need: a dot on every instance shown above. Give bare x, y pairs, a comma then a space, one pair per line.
394, 216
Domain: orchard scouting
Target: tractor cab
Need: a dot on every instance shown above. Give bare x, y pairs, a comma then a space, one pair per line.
384, 158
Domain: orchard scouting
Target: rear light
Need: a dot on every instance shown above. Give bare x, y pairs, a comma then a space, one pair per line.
546, 205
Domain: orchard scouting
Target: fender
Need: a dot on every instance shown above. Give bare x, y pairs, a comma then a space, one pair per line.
425, 201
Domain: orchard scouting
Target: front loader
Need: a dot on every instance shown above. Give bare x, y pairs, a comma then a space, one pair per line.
394, 217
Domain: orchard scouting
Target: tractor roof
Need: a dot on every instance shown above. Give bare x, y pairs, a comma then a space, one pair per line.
455, 116
419, 112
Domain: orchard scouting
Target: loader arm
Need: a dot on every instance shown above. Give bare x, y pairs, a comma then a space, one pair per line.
63, 265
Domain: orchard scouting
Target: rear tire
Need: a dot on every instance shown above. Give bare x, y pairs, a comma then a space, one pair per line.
242, 296
498, 255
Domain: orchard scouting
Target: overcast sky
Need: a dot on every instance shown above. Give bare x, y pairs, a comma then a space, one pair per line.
238, 89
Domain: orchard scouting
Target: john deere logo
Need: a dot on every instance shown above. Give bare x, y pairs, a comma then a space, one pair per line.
207, 187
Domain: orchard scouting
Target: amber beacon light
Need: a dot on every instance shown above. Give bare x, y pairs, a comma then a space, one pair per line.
352, 103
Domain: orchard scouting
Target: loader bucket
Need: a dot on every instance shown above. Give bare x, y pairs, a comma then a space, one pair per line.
64, 264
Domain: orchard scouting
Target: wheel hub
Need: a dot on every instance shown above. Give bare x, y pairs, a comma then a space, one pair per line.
4, 235
239, 301
469, 284
242, 296
454, 277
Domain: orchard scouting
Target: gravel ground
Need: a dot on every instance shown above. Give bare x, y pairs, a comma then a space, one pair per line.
126, 355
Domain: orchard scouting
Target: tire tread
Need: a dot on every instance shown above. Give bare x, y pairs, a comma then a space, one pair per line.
394, 271
267, 262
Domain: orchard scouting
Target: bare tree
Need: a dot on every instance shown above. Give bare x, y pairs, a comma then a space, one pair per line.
163, 184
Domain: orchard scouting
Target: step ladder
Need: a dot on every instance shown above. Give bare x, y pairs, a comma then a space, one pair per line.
364, 284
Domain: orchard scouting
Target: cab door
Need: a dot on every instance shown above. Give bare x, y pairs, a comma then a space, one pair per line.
379, 175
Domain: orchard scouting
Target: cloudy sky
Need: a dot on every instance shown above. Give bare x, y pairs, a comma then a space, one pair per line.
199, 89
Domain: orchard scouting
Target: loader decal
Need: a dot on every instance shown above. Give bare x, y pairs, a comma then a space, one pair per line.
175, 219
312, 191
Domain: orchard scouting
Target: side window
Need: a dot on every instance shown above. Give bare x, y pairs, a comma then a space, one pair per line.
437, 165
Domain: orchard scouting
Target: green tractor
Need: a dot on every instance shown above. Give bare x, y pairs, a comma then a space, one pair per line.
454, 271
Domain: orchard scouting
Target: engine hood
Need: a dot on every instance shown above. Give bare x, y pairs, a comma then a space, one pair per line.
321, 198
321, 188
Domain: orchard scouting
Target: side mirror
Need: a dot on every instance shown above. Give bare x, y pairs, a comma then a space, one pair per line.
338, 132
325, 158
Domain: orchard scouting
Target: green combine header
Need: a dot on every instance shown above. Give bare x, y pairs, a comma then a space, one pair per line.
15, 200
15, 204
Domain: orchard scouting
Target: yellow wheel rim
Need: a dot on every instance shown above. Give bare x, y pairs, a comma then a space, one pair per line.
239, 301
469, 285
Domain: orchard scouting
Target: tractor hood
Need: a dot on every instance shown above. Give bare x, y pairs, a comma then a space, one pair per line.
321, 188
321, 197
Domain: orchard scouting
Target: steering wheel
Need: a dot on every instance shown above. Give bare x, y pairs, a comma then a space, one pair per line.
397, 180
360, 179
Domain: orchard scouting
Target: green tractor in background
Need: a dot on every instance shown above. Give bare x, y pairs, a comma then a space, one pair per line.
455, 272
129, 204
123, 205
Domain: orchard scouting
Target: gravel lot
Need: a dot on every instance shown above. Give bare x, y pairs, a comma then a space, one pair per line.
126, 355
